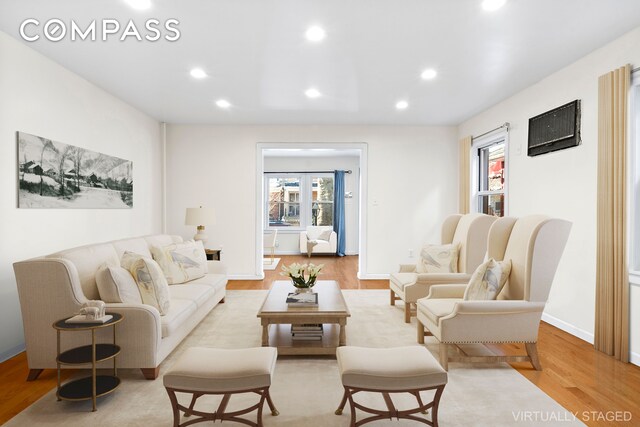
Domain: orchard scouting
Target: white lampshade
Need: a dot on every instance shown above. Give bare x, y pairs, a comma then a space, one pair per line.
200, 216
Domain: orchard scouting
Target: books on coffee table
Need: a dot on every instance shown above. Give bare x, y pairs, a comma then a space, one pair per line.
302, 300
307, 332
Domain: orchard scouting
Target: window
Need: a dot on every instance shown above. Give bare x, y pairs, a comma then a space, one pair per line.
491, 177
283, 198
322, 201
296, 201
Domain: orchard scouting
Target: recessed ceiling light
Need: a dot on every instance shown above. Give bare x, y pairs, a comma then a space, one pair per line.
139, 4
402, 105
312, 92
429, 74
491, 5
223, 103
315, 34
198, 73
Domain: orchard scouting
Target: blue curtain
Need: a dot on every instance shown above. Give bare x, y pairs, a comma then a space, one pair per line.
338, 210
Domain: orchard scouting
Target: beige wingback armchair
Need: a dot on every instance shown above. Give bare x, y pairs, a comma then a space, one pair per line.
534, 244
470, 232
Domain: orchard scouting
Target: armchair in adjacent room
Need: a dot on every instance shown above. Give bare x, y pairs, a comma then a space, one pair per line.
318, 240
269, 244
532, 245
469, 232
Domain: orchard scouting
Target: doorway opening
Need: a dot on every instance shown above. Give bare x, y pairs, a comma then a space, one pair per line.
295, 194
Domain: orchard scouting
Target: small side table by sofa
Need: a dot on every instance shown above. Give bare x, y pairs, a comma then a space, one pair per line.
95, 385
213, 254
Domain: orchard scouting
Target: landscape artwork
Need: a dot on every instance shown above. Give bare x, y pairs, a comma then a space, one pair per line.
53, 175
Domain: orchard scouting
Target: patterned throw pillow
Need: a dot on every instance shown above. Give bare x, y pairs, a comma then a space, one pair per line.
438, 259
152, 284
116, 284
181, 262
488, 280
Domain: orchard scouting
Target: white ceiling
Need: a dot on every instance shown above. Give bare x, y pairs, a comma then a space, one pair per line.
258, 59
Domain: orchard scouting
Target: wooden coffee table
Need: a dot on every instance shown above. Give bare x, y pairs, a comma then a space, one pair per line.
331, 311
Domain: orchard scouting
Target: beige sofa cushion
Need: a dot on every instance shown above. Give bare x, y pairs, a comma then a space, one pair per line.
222, 370
216, 281
438, 259
181, 262
116, 284
399, 368
179, 311
152, 284
192, 292
488, 280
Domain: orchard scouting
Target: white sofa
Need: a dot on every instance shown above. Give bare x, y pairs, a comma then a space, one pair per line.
54, 286
312, 242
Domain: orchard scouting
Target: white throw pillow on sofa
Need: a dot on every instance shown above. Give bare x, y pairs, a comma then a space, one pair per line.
152, 284
181, 262
116, 284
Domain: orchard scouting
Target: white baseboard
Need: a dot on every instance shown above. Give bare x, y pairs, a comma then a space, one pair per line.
6, 355
289, 253
635, 358
568, 327
244, 277
372, 276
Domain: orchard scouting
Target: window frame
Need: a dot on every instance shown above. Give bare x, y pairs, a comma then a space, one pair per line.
497, 137
305, 198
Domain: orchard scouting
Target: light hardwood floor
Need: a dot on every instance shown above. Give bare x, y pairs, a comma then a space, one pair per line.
579, 378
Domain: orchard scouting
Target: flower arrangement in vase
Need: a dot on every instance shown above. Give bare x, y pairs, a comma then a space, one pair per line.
303, 276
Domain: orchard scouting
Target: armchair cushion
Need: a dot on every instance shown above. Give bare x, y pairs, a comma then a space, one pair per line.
438, 259
488, 280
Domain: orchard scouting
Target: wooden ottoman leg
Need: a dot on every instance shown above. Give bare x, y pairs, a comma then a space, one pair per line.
343, 402
392, 296
274, 411
174, 407
436, 403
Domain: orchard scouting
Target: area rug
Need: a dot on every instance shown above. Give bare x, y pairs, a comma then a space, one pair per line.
307, 390
270, 264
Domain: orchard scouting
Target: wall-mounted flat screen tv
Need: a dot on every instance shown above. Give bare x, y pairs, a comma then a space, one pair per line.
555, 130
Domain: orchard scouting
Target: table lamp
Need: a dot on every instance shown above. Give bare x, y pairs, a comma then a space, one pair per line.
200, 217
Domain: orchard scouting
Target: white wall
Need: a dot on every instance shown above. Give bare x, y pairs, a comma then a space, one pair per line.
412, 184
289, 242
563, 183
40, 97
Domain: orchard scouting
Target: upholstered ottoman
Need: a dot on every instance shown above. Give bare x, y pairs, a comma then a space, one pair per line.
201, 371
409, 369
